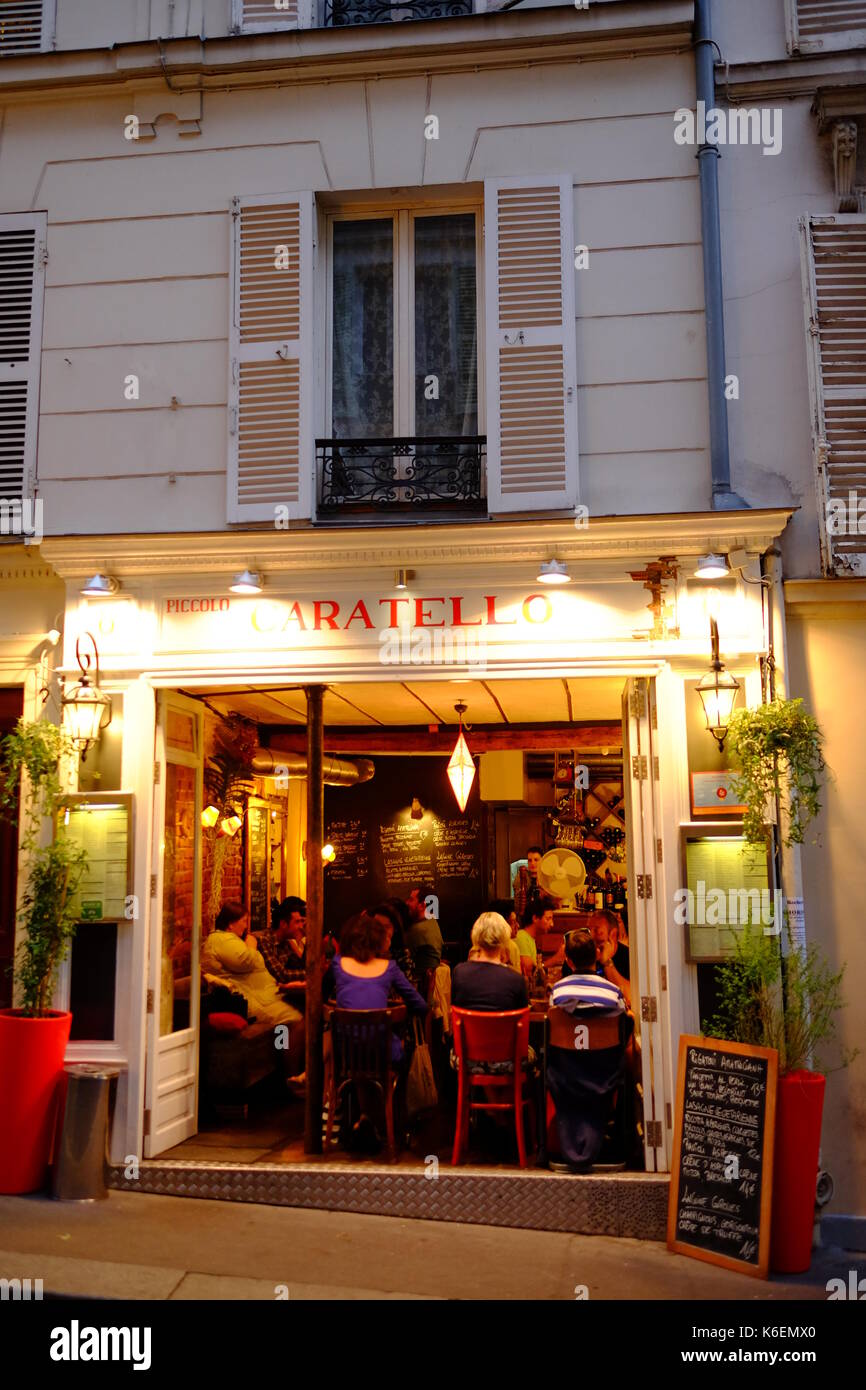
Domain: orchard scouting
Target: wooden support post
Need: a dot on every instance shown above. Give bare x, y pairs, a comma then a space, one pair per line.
315, 914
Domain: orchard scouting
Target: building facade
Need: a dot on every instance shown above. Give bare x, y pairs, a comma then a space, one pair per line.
793, 231
355, 304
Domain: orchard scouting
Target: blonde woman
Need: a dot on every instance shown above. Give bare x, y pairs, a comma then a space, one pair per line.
485, 981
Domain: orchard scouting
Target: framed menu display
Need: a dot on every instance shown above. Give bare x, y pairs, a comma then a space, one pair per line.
727, 883
101, 824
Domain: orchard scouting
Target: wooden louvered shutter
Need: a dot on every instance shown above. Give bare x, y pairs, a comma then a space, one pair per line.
824, 25
834, 266
530, 348
259, 16
25, 25
271, 452
22, 276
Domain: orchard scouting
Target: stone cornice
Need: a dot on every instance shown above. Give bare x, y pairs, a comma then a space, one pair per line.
790, 77
825, 593
468, 43
612, 543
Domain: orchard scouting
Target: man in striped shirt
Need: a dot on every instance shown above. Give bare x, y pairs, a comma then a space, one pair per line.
583, 989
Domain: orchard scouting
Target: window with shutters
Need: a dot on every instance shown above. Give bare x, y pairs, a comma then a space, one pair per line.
26, 26
403, 406
834, 268
22, 244
259, 16
817, 26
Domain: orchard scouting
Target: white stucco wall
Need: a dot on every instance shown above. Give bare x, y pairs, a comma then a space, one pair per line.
138, 244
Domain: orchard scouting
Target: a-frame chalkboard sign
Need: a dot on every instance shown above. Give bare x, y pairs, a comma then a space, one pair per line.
722, 1170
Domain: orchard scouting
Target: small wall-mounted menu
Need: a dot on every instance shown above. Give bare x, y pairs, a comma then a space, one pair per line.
258, 816
722, 1168
101, 827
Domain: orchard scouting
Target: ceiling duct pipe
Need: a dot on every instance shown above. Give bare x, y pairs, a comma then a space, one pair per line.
338, 772
724, 497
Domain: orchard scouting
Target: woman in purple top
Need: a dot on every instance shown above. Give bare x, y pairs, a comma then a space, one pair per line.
364, 975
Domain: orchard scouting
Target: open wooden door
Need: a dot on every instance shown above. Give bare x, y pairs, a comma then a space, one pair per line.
647, 931
171, 1103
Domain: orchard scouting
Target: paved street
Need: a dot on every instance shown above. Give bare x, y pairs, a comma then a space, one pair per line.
138, 1246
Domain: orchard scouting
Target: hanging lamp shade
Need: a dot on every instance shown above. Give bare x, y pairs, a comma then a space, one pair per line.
461, 766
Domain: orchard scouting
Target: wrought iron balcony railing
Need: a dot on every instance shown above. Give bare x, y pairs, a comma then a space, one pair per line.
340, 12
439, 475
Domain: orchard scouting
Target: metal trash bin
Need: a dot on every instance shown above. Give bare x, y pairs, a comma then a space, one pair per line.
81, 1157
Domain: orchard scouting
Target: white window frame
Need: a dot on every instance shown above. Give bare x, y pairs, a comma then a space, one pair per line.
404, 216
305, 20
826, 43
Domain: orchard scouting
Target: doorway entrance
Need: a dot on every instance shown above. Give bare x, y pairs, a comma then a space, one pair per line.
566, 764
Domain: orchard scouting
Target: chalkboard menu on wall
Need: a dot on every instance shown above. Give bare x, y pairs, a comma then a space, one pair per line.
721, 1177
257, 840
382, 850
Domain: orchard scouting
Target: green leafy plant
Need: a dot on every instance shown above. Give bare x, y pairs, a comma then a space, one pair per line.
54, 870
779, 749
789, 1002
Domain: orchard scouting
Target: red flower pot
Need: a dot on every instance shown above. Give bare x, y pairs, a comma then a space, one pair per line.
31, 1066
799, 1106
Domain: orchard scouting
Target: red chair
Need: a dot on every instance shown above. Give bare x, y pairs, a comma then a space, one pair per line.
490, 1037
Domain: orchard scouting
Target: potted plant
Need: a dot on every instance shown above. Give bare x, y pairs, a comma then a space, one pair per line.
777, 992
33, 1036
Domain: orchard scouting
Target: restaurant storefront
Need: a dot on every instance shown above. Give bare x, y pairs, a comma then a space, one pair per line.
601, 668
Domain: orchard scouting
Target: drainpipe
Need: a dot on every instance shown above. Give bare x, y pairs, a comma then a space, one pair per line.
724, 499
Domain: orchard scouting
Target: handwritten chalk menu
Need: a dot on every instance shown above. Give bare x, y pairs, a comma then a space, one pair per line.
382, 850
456, 843
102, 829
258, 816
349, 839
721, 1174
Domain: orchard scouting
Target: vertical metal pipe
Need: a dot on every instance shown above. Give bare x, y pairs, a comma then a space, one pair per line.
315, 912
724, 499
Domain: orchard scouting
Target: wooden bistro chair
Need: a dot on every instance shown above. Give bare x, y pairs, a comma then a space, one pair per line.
361, 1052
490, 1037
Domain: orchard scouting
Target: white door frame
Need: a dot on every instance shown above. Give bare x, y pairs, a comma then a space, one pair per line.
171, 1090
642, 771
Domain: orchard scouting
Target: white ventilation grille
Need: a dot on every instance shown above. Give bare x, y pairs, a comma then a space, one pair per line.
531, 387
21, 26
268, 426
818, 17
530, 257
271, 448
532, 427
270, 298
838, 341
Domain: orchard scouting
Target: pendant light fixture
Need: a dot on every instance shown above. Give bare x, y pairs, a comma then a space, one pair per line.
461, 767
718, 692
